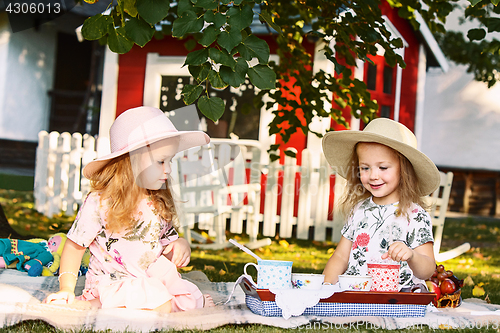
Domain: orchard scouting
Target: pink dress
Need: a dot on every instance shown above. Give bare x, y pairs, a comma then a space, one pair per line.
127, 269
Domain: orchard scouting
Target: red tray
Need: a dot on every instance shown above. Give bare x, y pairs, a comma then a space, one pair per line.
373, 297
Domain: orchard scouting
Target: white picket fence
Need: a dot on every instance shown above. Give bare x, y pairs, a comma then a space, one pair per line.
60, 187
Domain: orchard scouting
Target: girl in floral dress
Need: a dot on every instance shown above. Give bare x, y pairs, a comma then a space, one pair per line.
387, 178
128, 221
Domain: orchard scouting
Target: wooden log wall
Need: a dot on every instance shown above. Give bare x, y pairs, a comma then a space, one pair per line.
18, 154
475, 192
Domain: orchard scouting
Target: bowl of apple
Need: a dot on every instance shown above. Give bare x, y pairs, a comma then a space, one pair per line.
447, 288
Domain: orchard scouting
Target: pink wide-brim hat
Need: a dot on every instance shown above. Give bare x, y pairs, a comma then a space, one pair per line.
139, 127
338, 147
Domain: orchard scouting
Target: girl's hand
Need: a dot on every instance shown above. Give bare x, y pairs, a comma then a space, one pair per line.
398, 251
61, 297
178, 252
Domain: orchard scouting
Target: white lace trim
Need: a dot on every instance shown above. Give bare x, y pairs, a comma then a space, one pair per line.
293, 302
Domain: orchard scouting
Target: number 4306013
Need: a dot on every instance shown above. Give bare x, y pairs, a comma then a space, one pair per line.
33, 8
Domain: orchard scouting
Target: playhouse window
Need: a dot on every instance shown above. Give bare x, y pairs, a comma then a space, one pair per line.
379, 79
387, 80
371, 76
240, 116
385, 111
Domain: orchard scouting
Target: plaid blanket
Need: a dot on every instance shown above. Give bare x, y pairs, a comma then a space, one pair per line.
22, 295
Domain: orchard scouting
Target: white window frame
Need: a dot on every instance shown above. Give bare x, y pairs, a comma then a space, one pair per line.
158, 66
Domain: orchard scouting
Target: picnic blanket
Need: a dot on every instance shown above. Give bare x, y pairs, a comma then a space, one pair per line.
21, 297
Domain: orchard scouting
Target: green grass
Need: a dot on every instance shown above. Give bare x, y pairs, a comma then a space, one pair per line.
480, 267
16, 182
20, 210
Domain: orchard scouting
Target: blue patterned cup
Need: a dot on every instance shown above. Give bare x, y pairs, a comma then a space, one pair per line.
273, 274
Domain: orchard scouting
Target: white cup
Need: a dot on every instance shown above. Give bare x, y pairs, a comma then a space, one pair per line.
272, 274
307, 281
355, 282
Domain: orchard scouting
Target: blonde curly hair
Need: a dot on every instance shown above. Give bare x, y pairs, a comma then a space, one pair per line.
115, 183
408, 185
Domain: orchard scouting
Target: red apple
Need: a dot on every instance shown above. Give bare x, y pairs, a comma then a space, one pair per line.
448, 286
434, 288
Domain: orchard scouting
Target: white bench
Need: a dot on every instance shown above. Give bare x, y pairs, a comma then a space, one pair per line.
440, 199
213, 186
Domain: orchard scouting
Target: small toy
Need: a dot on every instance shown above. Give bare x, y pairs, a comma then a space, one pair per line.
37, 256
25, 256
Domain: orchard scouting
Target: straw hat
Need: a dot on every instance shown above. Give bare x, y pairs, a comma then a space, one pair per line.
338, 147
138, 127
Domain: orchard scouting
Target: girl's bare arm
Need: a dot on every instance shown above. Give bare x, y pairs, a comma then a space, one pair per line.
337, 264
71, 258
420, 259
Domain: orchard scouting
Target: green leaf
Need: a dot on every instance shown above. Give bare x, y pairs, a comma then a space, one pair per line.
215, 80
212, 108
117, 41
493, 47
200, 73
209, 16
229, 40
190, 44
190, 93
257, 48
129, 6
222, 57
340, 102
207, 4
493, 24
244, 52
266, 17
196, 58
139, 31
474, 2
153, 11
398, 43
240, 17
187, 23
209, 35
390, 58
262, 77
219, 20
118, 11
338, 67
476, 34
96, 27
183, 6
274, 157
237, 77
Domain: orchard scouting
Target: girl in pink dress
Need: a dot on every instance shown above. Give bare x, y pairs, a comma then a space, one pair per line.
128, 221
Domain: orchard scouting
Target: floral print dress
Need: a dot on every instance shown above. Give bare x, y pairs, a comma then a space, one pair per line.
372, 229
127, 269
